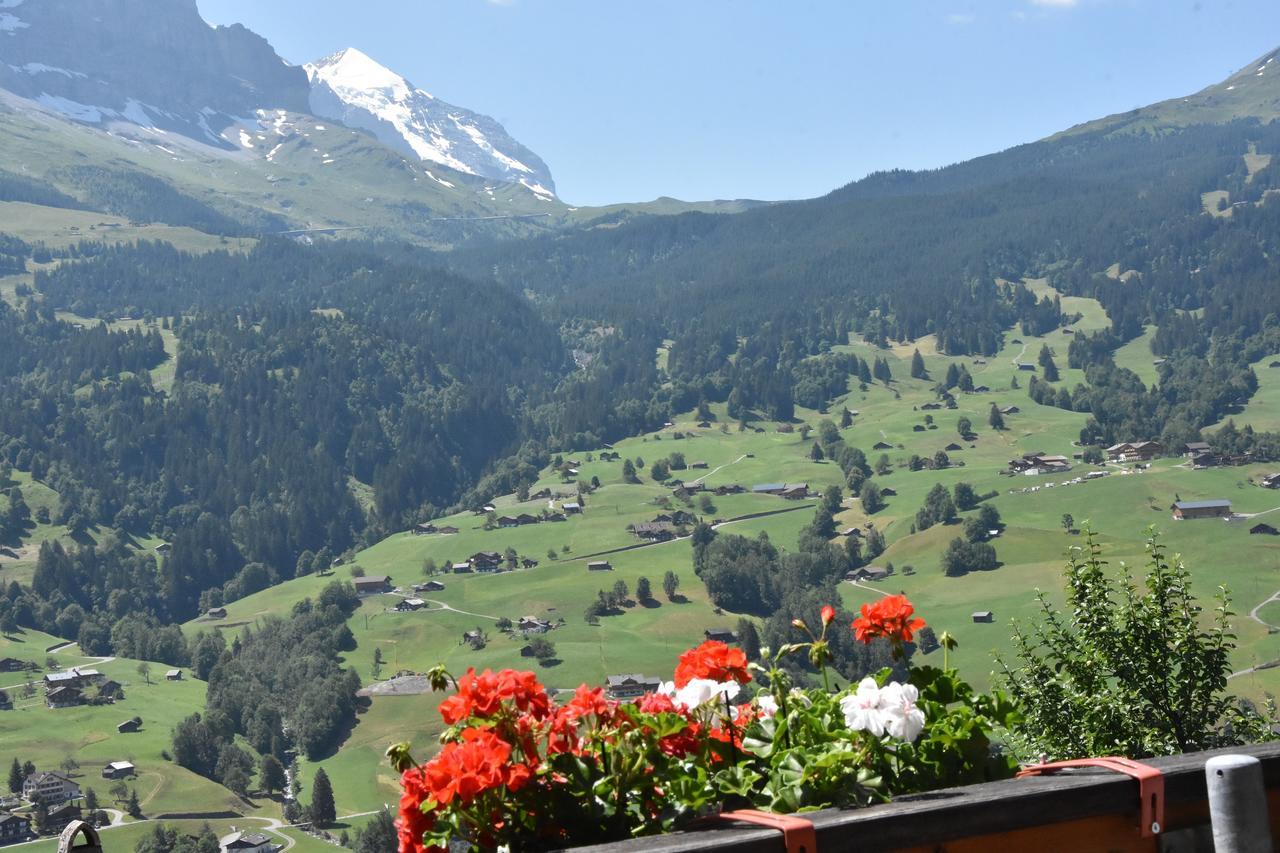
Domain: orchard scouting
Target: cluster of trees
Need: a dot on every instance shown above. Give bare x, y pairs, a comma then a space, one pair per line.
15, 515
817, 380
963, 556
938, 508
281, 686
752, 576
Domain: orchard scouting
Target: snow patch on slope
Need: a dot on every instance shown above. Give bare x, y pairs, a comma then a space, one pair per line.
11, 23
41, 68
73, 109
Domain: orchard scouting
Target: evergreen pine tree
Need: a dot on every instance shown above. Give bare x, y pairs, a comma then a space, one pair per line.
271, 775
132, 806
917, 366
15, 777
323, 810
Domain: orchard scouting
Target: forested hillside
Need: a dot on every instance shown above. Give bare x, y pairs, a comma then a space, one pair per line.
900, 255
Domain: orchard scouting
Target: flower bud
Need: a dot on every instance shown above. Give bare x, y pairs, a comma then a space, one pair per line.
799, 623
828, 615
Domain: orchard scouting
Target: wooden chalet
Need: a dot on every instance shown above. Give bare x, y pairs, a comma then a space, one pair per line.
14, 828
61, 815
119, 770
599, 566
630, 686
372, 584
485, 560
533, 625
654, 531
723, 635
1183, 510
1129, 451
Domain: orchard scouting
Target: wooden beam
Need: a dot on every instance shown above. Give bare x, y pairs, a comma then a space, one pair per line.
1085, 810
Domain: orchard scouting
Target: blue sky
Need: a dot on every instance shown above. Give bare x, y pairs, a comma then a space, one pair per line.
774, 99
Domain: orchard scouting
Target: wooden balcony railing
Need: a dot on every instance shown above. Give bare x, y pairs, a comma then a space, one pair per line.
1080, 811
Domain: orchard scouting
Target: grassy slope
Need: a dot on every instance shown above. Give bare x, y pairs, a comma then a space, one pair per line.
366, 185
1249, 93
1263, 409
59, 228
1136, 356
88, 734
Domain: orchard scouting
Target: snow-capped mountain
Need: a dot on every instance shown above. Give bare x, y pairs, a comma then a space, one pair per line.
155, 64
352, 88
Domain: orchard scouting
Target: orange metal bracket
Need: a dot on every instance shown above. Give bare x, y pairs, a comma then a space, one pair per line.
798, 834
1150, 785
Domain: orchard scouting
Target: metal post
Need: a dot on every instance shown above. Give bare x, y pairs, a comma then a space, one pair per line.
1238, 804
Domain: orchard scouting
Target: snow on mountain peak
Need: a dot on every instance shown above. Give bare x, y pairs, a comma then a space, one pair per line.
354, 71
355, 89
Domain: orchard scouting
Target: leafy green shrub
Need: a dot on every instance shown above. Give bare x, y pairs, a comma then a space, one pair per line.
1134, 666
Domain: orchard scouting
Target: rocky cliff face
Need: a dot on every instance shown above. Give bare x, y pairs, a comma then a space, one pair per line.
154, 63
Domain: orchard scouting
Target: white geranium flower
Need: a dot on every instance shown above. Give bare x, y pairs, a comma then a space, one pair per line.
699, 691
902, 719
769, 706
862, 708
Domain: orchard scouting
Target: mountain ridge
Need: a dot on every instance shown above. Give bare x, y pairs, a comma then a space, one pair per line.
1251, 92
351, 87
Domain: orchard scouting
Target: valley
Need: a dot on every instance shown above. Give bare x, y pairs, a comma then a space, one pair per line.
647, 637
312, 384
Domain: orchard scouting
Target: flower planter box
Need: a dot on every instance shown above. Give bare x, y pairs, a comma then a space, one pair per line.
1080, 811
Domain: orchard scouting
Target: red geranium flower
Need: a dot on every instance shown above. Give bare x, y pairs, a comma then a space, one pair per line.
586, 701
889, 617
482, 695
828, 614
715, 661
413, 822
466, 770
